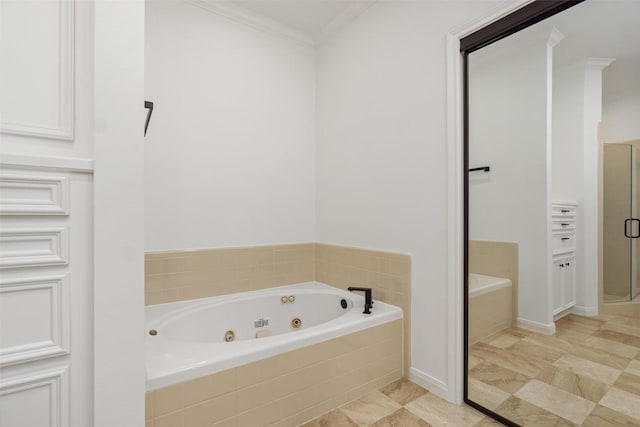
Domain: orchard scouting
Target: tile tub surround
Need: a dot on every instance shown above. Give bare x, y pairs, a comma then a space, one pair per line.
497, 259
284, 390
183, 275
489, 312
387, 273
189, 274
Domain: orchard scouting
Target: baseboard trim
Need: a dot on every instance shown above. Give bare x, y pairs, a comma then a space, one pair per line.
547, 329
585, 311
432, 384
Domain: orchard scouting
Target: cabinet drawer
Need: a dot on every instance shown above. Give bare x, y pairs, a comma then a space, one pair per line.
562, 243
563, 211
563, 225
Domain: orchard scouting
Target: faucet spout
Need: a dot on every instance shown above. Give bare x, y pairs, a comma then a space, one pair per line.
368, 298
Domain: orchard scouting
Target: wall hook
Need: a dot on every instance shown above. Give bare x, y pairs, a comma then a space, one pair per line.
149, 105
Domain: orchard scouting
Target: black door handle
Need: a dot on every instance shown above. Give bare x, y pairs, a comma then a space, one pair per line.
635, 236
626, 227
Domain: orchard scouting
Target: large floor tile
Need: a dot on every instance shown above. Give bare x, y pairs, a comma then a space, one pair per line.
633, 367
623, 402
370, 408
628, 382
556, 401
485, 394
439, 412
497, 376
618, 337
402, 418
596, 371
576, 384
403, 391
602, 416
611, 347
502, 340
483, 351
529, 415
331, 419
598, 356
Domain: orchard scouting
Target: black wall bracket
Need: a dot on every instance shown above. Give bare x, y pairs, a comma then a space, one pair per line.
149, 106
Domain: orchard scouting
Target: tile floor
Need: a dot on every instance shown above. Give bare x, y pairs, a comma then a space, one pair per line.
400, 404
587, 374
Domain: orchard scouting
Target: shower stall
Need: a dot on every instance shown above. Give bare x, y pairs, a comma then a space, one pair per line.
621, 208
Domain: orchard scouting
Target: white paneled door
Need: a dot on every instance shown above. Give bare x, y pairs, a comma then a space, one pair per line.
46, 214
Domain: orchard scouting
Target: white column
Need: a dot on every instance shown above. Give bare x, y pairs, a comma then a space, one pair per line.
119, 223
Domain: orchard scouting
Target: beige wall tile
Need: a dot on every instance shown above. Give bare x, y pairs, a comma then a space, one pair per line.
286, 389
173, 419
182, 275
148, 405
498, 259
199, 415
225, 406
229, 422
271, 412
167, 399
208, 387
387, 273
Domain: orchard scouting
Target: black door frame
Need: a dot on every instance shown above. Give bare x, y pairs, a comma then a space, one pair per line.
522, 18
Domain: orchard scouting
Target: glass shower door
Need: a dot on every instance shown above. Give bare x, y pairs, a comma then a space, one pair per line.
621, 223
635, 212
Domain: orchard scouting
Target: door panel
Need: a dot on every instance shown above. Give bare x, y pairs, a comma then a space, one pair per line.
617, 209
635, 212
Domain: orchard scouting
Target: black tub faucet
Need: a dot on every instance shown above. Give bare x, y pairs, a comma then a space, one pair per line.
368, 298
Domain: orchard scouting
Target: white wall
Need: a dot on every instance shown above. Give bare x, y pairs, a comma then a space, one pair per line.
568, 153
621, 119
507, 131
568, 136
382, 152
230, 151
119, 365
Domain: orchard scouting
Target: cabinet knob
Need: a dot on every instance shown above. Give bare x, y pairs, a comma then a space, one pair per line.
561, 265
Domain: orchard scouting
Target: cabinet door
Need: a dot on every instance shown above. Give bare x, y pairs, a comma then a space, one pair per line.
558, 288
569, 282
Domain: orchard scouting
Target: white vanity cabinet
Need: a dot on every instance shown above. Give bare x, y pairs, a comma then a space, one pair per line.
563, 245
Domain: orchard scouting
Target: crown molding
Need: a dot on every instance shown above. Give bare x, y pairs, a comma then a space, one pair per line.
254, 20
343, 19
598, 63
555, 37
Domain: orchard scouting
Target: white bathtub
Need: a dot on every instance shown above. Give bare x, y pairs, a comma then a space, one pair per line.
480, 284
190, 340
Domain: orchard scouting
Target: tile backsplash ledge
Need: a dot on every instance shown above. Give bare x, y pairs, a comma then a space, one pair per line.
188, 274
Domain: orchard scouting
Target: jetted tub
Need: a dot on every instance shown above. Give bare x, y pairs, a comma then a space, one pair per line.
190, 339
490, 306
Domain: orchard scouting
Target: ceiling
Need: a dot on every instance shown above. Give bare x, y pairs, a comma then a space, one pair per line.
598, 29
593, 29
308, 16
